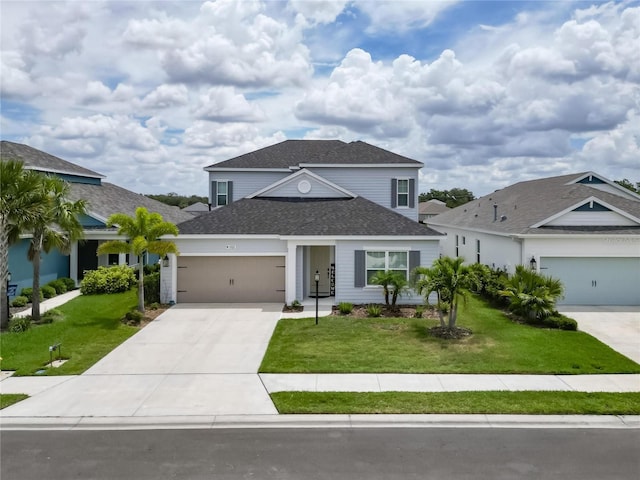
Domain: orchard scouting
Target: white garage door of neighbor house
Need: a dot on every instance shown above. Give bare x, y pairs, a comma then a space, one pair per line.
596, 281
230, 279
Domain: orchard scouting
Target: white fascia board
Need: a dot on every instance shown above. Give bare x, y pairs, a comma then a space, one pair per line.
211, 236
362, 165
468, 229
576, 236
234, 254
385, 238
299, 173
101, 235
606, 180
64, 172
228, 169
581, 203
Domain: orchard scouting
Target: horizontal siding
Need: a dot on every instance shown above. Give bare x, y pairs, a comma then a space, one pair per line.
246, 183
290, 189
345, 290
594, 219
229, 246
372, 183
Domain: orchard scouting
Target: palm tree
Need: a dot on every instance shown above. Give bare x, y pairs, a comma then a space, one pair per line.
450, 280
55, 227
393, 284
531, 295
20, 202
143, 234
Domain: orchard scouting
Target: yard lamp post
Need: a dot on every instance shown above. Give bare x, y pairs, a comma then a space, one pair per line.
317, 278
533, 264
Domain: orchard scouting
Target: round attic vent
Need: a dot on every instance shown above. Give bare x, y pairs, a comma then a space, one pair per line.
304, 186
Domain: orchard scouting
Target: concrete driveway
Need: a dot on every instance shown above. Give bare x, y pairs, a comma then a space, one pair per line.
618, 327
193, 360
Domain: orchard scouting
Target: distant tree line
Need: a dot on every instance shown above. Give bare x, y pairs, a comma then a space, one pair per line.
628, 185
179, 201
452, 198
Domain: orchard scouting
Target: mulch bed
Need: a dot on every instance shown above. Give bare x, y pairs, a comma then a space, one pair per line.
400, 311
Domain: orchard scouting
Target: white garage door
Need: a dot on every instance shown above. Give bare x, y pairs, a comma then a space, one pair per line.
596, 281
230, 279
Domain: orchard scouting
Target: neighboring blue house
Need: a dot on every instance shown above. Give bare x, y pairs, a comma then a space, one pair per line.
103, 199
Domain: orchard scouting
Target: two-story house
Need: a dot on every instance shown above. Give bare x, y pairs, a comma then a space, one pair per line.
103, 199
282, 213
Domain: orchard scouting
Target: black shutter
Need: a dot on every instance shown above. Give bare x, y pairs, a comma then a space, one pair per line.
214, 194
412, 193
414, 260
229, 192
394, 192
359, 273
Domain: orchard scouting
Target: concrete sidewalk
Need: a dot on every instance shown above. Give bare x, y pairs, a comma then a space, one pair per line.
51, 303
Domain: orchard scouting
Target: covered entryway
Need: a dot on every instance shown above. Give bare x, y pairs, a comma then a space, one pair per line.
231, 279
596, 281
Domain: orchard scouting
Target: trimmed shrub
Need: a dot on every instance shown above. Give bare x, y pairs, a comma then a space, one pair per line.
419, 311
114, 279
19, 324
20, 301
53, 315
374, 310
151, 268
28, 292
345, 308
152, 288
68, 282
560, 322
133, 317
48, 291
154, 306
59, 286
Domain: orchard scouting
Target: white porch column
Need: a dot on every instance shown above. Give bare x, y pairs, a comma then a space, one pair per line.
122, 259
169, 280
73, 262
290, 273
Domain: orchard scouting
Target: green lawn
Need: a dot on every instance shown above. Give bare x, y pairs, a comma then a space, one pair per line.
7, 399
381, 345
91, 328
537, 403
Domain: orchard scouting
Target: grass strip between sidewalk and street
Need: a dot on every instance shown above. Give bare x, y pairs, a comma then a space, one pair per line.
7, 399
91, 327
404, 345
492, 402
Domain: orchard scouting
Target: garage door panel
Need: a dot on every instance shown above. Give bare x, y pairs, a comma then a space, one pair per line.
596, 280
230, 279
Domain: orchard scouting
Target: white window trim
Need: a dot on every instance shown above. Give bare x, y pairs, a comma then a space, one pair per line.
398, 180
386, 265
226, 194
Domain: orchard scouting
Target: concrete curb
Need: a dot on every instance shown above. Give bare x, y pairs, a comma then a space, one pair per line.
321, 421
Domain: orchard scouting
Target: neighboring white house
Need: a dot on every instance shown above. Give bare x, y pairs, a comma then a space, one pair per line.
285, 212
583, 229
430, 209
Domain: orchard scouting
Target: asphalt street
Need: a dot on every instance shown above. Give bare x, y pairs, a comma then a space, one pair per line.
366, 453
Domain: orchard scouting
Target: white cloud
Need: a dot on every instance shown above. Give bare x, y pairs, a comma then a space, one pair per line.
402, 15
166, 96
319, 11
223, 104
15, 82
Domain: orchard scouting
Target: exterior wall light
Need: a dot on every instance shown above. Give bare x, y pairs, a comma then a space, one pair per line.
533, 264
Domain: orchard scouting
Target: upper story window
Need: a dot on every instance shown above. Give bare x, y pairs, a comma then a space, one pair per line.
221, 193
222, 197
386, 261
403, 193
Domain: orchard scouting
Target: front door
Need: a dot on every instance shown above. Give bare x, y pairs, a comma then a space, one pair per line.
320, 261
87, 257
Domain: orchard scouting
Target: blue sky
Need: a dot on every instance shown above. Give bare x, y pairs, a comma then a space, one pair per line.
486, 94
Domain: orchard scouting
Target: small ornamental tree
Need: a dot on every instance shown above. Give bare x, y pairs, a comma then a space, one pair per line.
143, 233
531, 295
450, 280
393, 284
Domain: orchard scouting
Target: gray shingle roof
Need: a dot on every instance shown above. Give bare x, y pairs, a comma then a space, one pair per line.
314, 217
527, 203
106, 199
432, 207
295, 152
38, 160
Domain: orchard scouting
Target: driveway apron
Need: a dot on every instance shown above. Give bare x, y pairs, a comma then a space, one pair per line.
618, 327
194, 359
